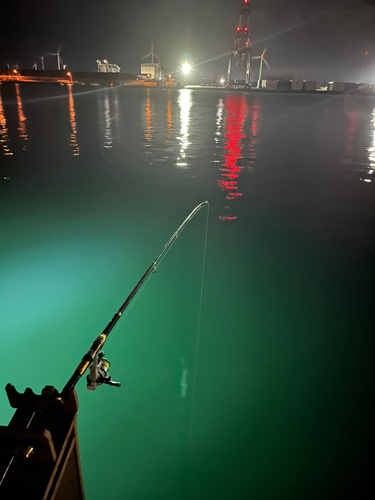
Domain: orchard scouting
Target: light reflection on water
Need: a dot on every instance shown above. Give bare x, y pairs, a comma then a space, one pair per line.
4, 140
148, 113
184, 134
255, 117
235, 131
359, 154
21, 117
108, 115
169, 116
73, 124
185, 102
236, 112
371, 149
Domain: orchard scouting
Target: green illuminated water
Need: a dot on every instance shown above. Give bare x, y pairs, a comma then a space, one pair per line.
98, 182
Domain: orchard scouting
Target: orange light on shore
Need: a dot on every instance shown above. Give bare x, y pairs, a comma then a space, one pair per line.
366, 53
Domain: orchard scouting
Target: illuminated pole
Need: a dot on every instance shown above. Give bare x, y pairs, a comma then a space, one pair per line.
42, 61
363, 65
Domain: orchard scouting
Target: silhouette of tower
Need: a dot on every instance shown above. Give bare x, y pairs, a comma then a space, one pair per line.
241, 50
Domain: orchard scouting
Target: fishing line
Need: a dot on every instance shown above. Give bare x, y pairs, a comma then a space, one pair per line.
91, 355
198, 334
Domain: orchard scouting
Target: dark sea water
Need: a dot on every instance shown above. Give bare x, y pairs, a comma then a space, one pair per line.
98, 180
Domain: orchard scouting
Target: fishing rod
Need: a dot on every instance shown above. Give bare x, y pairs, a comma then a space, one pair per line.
99, 365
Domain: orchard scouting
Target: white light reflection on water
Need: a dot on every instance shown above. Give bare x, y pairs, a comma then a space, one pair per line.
360, 142
371, 151
185, 102
219, 118
218, 132
108, 106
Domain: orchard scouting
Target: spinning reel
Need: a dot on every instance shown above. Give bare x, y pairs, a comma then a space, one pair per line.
99, 373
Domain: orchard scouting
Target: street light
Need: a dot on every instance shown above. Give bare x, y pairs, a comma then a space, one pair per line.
185, 68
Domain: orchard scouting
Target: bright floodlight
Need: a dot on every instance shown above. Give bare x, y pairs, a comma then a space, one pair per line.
186, 68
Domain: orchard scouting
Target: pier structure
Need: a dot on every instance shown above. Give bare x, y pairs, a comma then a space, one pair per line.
241, 51
39, 453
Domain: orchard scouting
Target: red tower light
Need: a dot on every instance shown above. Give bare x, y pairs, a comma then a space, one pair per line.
238, 28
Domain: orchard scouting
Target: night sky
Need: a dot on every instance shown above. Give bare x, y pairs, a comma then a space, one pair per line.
313, 39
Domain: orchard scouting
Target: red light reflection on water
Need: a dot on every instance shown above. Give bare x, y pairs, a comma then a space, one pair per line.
236, 109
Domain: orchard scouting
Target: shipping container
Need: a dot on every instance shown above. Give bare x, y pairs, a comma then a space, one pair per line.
338, 86
284, 84
350, 86
270, 84
309, 85
297, 85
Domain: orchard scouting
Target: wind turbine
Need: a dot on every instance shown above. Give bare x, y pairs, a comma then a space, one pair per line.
151, 54
58, 57
41, 60
261, 57
363, 65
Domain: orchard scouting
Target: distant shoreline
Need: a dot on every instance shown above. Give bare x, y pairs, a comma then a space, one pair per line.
131, 80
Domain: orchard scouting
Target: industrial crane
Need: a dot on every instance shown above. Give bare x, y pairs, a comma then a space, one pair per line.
241, 49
